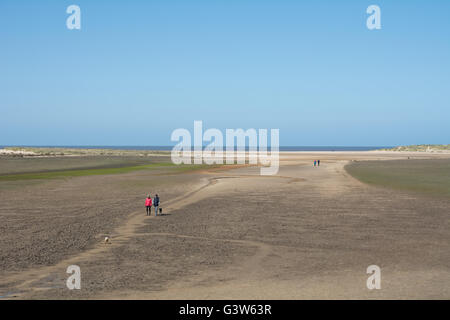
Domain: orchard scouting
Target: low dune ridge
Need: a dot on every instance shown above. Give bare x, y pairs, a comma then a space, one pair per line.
66, 152
439, 148
9, 152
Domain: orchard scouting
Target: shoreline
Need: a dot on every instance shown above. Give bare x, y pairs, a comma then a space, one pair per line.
31, 152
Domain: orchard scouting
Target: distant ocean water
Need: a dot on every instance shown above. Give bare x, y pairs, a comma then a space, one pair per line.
168, 148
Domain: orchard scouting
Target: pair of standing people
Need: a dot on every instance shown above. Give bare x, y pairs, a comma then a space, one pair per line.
149, 202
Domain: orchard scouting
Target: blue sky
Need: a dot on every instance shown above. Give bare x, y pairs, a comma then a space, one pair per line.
137, 70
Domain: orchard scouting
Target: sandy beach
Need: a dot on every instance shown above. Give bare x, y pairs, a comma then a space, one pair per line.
226, 233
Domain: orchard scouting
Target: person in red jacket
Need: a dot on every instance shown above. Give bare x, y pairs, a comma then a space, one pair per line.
148, 205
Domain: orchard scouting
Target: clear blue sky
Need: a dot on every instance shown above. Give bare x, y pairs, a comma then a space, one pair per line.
137, 70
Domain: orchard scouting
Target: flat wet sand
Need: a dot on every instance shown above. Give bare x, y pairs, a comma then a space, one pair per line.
306, 233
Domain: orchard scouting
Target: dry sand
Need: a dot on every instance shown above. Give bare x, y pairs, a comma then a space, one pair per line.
306, 233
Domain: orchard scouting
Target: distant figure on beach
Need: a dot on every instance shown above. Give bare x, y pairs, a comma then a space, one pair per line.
315, 163
156, 204
148, 205
318, 162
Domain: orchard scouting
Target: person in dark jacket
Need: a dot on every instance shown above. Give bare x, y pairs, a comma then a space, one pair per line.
156, 204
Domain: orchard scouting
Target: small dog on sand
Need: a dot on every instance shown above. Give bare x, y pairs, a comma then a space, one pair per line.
107, 241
